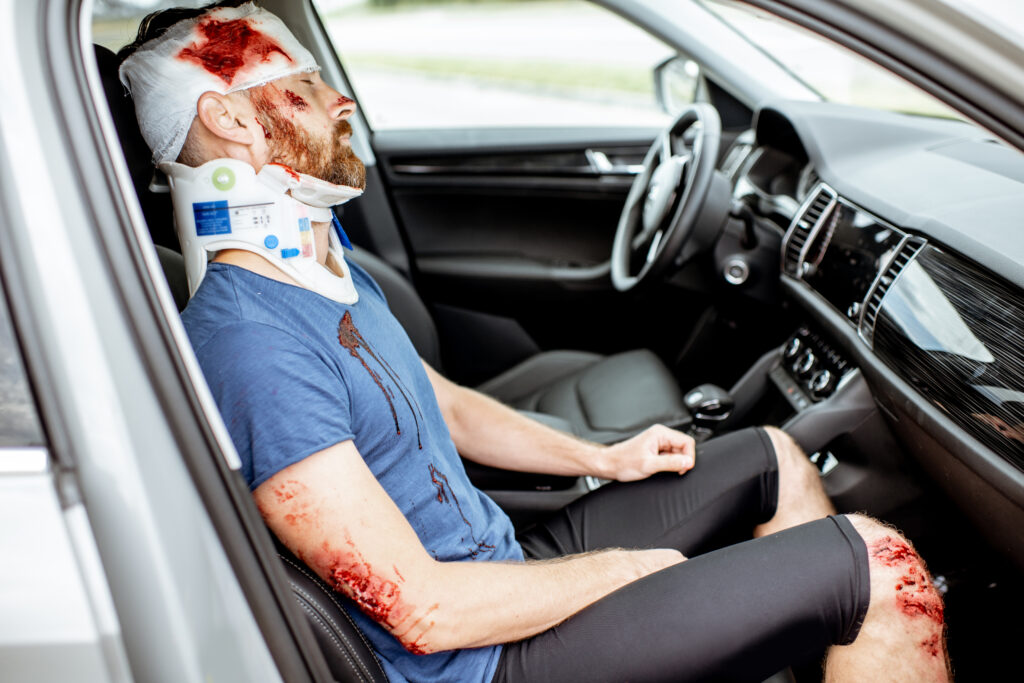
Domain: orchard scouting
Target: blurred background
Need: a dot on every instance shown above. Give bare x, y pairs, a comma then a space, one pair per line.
418, 64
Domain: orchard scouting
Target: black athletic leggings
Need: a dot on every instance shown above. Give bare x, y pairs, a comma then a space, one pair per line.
737, 612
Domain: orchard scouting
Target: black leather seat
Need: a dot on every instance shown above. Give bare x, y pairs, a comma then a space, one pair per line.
602, 398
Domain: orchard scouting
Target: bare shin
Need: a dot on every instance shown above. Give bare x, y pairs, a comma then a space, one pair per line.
802, 497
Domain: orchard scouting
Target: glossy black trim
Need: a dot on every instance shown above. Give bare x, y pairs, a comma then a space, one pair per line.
892, 391
953, 331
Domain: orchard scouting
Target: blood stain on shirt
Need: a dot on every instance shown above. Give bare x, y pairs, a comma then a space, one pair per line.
296, 101
350, 338
445, 494
230, 46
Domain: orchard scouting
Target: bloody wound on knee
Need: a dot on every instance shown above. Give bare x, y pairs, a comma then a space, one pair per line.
915, 594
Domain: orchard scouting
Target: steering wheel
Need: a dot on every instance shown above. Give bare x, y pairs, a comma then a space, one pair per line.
665, 201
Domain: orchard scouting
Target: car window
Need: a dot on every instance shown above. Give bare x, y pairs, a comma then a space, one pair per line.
834, 72
19, 421
417, 65
115, 23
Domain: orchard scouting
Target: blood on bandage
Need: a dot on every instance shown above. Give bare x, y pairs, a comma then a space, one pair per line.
230, 47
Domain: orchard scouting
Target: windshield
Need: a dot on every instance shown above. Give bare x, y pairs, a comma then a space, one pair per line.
835, 73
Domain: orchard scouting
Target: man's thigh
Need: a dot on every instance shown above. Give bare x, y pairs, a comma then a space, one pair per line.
732, 488
740, 613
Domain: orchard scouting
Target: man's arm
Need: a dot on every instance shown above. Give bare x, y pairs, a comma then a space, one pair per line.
332, 513
490, 433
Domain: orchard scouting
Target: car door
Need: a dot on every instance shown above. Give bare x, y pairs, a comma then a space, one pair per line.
507, 136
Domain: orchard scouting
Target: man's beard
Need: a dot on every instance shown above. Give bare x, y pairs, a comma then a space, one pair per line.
328, 158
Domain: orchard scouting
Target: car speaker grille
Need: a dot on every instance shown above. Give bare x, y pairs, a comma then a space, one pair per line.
873, 303
819, 202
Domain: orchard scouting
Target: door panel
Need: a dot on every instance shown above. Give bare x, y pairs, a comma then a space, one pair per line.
521, 230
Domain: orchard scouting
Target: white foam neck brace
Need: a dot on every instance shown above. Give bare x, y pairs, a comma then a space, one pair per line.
225, 204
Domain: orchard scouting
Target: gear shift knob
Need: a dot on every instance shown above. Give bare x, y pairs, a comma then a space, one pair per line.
709, 404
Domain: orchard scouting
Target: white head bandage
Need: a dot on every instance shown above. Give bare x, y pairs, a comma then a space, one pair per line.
225, 50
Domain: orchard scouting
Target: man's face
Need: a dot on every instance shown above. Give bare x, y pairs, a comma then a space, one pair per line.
305, 124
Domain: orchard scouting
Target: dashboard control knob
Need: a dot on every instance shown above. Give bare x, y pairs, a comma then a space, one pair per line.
820, 383
793, 348
736, 271
805, 364
853, 312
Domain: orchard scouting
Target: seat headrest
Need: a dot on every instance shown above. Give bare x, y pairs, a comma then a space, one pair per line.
155, 207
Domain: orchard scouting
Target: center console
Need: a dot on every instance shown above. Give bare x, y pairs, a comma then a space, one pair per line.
810, 370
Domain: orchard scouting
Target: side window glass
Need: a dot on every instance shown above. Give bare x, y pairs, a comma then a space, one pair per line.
19, 421
452, 63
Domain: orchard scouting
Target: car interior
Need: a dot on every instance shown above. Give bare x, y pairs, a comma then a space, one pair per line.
813, 266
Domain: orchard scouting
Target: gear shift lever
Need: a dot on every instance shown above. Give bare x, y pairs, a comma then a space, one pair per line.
710, 405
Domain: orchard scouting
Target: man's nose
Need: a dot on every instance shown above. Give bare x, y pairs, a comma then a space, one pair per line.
342, 107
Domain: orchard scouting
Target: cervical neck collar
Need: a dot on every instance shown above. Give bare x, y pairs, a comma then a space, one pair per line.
225, 204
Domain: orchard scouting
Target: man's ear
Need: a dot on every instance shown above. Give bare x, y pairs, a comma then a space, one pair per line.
221, 117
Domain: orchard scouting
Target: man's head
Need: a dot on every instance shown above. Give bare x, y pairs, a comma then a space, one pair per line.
230, 80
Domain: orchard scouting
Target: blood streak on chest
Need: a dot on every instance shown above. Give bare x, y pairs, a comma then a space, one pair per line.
230, 47
350, 338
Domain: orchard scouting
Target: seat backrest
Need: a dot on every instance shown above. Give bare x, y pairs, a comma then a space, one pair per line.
156, 206
406, 305
348, 653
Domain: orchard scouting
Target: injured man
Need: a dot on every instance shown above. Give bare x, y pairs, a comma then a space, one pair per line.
723, 561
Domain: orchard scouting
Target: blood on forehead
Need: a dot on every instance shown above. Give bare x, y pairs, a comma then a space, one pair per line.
230, 47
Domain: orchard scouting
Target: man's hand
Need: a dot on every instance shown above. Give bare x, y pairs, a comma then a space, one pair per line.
656, 449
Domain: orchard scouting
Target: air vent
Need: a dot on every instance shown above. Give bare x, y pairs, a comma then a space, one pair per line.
804, 225
873, 304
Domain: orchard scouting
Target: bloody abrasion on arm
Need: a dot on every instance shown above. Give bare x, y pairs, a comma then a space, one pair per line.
307, 510
380, 597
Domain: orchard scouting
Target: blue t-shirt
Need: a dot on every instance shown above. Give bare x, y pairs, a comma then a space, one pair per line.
294, 373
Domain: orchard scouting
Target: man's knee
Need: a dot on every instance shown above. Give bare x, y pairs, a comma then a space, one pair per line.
900, 581
788, 453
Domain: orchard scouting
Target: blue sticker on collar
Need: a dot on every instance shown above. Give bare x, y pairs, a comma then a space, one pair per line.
212, 218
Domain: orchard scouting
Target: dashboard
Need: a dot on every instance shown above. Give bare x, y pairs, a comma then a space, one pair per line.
900, 241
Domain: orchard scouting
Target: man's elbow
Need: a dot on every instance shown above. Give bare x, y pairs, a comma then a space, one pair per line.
435, 627
428, 630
